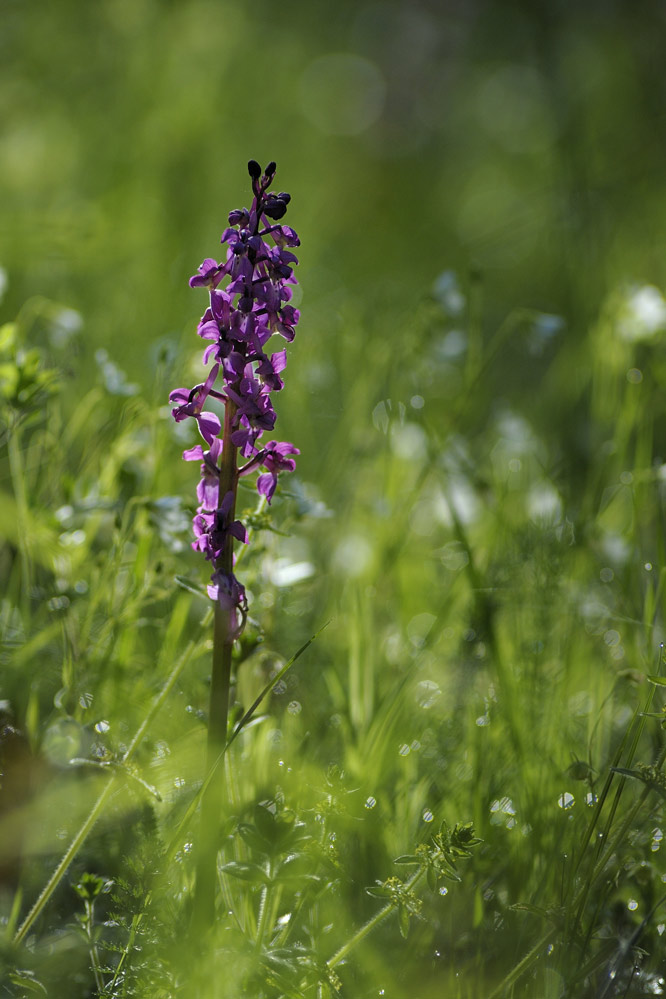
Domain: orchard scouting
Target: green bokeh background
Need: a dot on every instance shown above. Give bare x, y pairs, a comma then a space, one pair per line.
520, 142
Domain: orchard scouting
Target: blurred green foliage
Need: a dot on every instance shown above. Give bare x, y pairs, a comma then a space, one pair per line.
476, 390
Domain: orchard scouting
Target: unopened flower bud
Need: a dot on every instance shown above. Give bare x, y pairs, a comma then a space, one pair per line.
275, 208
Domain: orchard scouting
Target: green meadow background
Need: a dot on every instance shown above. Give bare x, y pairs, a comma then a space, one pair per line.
476, 389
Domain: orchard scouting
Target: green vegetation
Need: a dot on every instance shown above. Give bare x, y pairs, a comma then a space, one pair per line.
470, 752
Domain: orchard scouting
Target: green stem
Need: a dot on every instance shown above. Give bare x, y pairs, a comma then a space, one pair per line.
92, 946
524, 964
224, 633
368, 927
69, 855
136, 919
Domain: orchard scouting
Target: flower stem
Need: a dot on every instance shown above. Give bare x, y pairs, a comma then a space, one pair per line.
224, 633
92, 946
368, 927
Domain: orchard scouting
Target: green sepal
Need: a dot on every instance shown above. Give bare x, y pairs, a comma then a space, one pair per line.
89, 887
660, 681
379, 891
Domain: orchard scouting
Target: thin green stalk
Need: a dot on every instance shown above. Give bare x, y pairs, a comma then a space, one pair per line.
67, 858
136, 919
92, 946
526, 962
371, 924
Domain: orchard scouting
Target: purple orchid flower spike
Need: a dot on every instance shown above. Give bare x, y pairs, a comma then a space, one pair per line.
236, 325
248, 301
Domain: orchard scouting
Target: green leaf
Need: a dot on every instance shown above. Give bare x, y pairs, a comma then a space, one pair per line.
552, 915
408, 858
271, 683
264, 818
295, 868
27, 981
245, 872
660, 681
450, 874
253, 838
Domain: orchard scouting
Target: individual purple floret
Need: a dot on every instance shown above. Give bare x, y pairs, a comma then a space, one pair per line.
238, 323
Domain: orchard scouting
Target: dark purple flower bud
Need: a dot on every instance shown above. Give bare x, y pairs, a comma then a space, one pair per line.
270, 169
275, 208
254, 170
239, 245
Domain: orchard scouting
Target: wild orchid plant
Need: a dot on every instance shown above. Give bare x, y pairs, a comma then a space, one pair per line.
237, 324
286, 863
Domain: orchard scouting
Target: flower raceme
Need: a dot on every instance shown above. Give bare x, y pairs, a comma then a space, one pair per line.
240, 319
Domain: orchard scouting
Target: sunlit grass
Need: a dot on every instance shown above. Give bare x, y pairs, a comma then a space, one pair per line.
474, 534
494, 611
